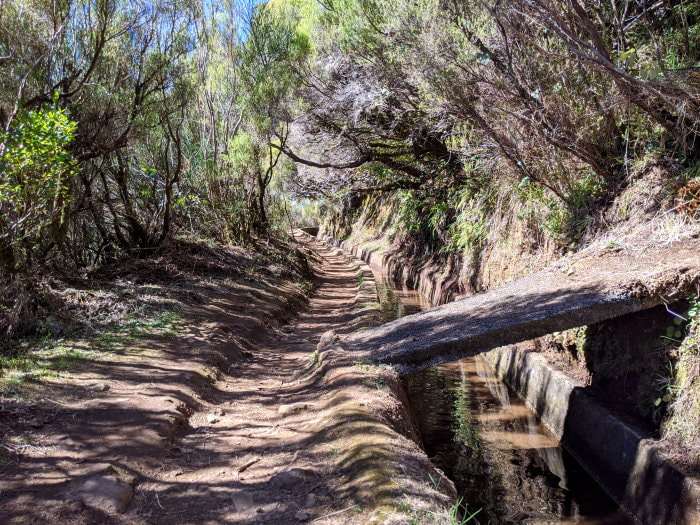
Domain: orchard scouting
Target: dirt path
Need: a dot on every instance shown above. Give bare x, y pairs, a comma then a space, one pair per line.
264, 423
285, 434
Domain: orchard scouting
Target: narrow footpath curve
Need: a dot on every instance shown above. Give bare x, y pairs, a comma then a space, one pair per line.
576, 292
228, 419
266, 455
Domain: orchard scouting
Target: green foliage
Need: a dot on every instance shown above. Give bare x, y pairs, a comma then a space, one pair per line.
37, 172
567, 220
47, 358
410, 211
49, 361
469, 231
313, 359
681, 387
426, 217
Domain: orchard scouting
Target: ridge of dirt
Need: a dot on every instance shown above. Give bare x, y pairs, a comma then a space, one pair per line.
230, 421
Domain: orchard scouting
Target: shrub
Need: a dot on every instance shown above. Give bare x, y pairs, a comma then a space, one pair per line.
36, 176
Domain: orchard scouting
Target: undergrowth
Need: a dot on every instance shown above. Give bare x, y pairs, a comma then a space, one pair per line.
684, 386
457, 514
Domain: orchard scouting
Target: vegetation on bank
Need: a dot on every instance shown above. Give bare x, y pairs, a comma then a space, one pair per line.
680, 389
127, 125
548, 109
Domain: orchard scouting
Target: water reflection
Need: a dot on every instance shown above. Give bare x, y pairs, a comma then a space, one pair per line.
491, 445
398, 302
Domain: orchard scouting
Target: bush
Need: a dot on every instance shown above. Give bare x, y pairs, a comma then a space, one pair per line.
36, 177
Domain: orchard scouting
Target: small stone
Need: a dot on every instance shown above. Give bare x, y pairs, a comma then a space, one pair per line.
310, 500
285, 410
70, 443
327, 339
290, 479
93, 469
220, 412
301, 516
211, 419
103, 492
102, 387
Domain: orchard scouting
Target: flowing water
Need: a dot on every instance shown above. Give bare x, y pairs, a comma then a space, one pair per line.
482, 435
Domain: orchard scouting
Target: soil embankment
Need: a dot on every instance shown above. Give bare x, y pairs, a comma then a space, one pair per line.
273, 426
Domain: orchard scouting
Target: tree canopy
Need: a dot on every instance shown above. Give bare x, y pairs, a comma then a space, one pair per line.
124, 122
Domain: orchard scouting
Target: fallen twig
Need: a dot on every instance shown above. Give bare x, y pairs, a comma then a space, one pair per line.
52, 401
244, 467
333, 514
248, 464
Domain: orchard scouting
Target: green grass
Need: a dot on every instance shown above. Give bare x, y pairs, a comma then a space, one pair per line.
376, 383
47, 359
43, 363
457, 514
164, 324
681, 386
313, 359
25, 439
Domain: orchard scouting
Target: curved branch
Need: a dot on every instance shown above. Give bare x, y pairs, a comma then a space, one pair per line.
296, 158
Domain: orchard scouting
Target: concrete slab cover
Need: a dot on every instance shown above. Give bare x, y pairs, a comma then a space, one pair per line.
576, 291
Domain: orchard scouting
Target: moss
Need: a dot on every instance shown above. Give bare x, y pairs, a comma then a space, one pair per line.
365, 457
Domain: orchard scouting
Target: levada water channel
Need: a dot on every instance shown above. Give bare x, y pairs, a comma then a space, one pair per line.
487, 441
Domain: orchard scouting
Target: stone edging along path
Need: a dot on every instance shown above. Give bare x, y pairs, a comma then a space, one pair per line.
626, 461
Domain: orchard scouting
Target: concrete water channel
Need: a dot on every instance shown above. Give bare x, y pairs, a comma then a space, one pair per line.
490, 444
